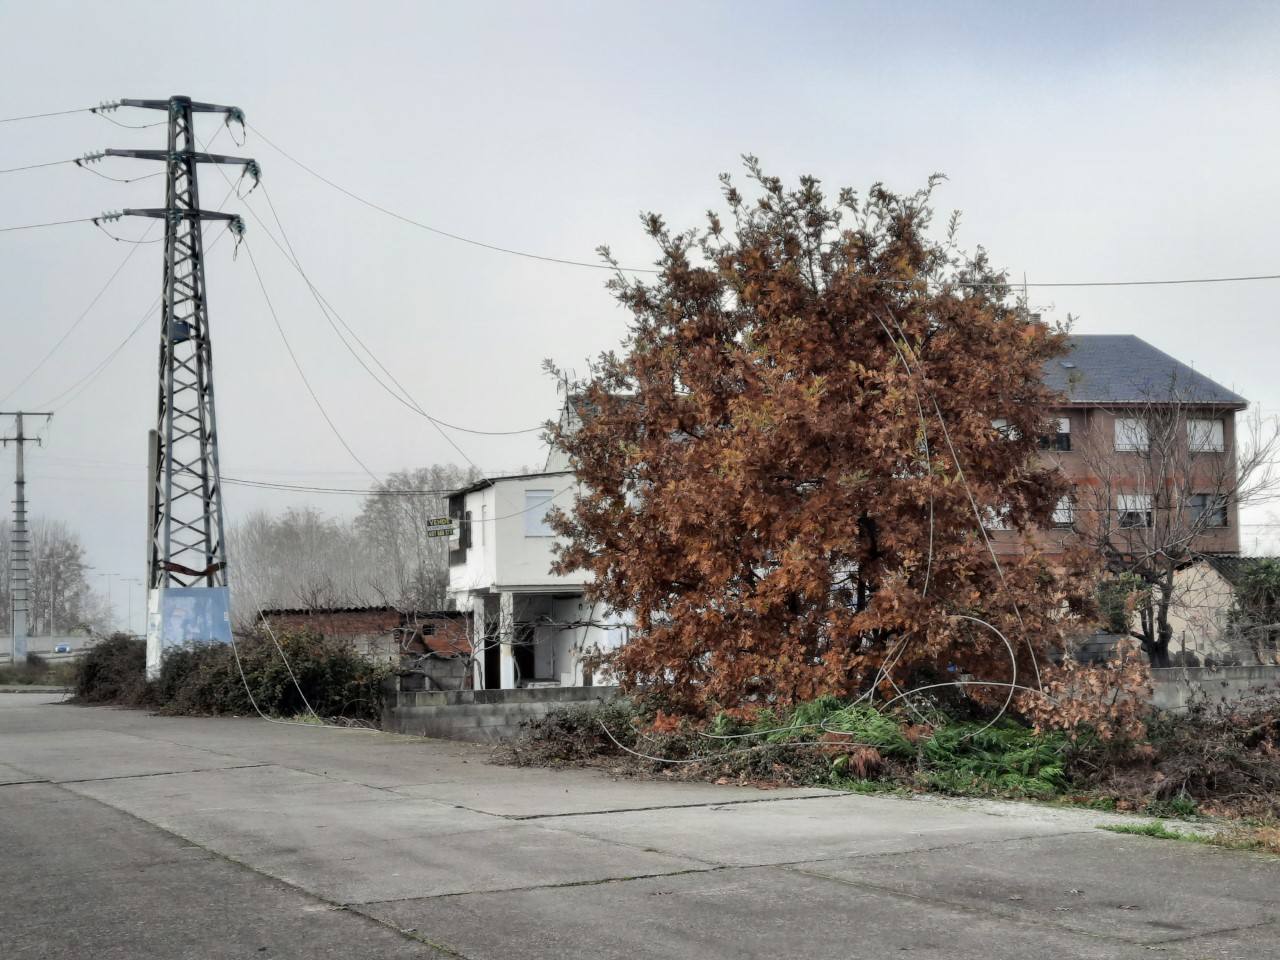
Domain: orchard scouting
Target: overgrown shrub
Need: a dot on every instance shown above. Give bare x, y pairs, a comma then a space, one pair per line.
113, 671
1222, 759
204, 679
334, 679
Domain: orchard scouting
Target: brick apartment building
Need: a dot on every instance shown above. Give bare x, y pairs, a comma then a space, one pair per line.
1146, 442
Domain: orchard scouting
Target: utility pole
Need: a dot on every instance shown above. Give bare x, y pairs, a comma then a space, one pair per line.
188, 594
20, 560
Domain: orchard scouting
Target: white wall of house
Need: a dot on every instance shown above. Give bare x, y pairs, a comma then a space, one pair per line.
1199, 613
511, 546
506, 581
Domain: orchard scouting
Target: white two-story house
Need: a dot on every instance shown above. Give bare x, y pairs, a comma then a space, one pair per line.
529, 626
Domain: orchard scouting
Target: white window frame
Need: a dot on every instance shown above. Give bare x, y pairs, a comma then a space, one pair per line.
1135, 504
1206, 435
1132, 435
535, 520
1006, 429
1064, 513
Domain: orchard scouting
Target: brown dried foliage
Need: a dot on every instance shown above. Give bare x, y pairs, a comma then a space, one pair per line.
782, 466
1110, 700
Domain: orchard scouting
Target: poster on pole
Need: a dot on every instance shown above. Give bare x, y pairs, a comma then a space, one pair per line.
185, 616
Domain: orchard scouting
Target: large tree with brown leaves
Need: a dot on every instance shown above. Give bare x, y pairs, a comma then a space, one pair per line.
784, 470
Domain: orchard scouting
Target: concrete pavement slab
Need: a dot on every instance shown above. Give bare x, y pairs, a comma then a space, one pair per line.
89, 754
352, 843
1130, 887
104, 885
787, 830
730, 914
521, 792
514, 855
10, 775
34, 817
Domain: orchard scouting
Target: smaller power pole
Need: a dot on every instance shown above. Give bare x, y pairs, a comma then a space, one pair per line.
20, 559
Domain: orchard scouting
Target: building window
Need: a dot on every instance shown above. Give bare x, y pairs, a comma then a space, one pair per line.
1131, 434
1059, 440
1134, 509
1064, 514
996, 518
1005, 428
464, 531
1205, 436
1208, 510
537, 503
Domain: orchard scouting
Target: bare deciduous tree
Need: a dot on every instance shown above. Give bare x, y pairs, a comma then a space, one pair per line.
58, 592
1166, 487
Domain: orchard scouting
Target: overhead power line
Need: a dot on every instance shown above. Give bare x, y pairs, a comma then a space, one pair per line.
51, 223
1245, 278
98, 296
326, 308
353, 491
37, 166
253, 262
436, 230
55, 113
76, 323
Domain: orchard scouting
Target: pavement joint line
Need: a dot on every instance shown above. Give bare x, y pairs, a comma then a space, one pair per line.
672, 806
360, 906
984, 841
271, 878
1270, 922
20, 783
162, 773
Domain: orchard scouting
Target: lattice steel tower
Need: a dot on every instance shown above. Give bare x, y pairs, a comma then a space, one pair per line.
186, 547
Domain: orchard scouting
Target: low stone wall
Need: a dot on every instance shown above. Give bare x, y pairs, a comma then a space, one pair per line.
483, 716
1178, 687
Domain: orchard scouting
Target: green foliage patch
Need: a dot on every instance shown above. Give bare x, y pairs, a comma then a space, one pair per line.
205, 679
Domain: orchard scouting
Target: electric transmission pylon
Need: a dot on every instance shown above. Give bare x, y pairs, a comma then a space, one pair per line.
185, 539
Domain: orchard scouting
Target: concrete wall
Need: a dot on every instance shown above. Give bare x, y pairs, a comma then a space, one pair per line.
482, 716
1178, 687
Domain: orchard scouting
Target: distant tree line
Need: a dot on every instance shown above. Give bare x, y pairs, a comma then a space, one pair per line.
309, 559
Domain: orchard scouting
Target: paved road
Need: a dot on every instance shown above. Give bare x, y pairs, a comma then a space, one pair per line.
129, 836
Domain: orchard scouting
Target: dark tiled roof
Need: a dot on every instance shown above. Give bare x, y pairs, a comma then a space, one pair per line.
1233, 568
1107, 368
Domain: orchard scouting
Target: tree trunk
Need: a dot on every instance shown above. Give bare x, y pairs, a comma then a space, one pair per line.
1159, 651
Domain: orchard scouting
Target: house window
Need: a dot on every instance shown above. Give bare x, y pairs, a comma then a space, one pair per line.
464, 531
1064, 514
1005, 428
1205, 436
1131, 434
1061, 438
996, 518
1208, 510
536, 505
1134, 509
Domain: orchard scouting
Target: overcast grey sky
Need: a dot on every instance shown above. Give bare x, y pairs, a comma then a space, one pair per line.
1083, 142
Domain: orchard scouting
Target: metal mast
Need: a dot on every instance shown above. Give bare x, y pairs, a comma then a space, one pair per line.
20, 557
185, 538
186, 546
